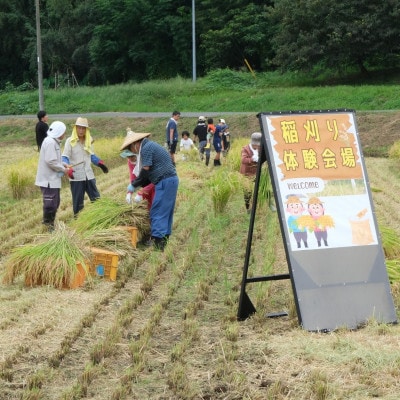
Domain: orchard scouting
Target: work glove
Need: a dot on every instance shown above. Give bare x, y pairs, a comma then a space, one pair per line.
70, 173
255, 157
138, 198
130, 188
128, 197
207, 146
103, 167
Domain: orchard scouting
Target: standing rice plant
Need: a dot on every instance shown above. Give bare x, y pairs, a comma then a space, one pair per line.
108, 150
21, 178
52, 260
106, 213
390, 242
265, 193
393, 270
234, 158
190, 155
394, 150
223, 184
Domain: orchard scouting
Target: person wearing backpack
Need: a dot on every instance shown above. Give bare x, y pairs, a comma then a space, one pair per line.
200, 134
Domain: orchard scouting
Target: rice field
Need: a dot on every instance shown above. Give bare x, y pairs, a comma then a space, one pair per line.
167, 327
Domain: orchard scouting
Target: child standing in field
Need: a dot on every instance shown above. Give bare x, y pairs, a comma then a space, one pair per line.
186, 143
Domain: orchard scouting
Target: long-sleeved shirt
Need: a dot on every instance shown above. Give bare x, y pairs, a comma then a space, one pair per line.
50, 164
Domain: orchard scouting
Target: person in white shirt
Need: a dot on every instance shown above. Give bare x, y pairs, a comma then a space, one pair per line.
50, 171
186, 142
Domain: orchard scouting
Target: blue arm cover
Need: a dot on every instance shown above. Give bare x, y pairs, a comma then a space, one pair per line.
94, 159
65, 159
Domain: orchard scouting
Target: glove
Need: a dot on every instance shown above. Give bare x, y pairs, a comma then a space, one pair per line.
138, 198
128, 197
70, 173
207, 146
255, 157
130, 188
103, 167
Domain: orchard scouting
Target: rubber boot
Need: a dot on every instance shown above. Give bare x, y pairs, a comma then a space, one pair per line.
147, 240
217, 163
207, 160
160, 243
48, 221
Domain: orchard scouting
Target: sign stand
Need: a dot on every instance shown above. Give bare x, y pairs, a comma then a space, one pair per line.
327, 219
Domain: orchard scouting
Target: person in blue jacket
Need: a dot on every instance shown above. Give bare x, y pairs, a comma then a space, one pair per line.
217, 141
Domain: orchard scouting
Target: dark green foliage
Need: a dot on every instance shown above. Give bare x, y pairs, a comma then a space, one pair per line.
97, 42
336, 34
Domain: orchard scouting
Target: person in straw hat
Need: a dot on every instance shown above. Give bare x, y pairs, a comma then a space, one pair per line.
78, 152
49, 172
156, 166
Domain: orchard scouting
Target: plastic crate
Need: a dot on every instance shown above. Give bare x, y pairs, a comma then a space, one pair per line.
76, 281
108, 260
134, 234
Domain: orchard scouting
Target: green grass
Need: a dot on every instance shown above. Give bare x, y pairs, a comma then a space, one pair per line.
221, 91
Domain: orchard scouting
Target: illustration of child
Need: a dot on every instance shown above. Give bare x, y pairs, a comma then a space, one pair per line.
295, 208
321, 222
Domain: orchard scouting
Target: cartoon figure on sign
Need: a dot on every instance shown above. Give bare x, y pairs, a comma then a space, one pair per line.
321, 222
295, 208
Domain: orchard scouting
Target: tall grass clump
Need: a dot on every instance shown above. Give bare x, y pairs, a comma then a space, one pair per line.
21, 177
265, 194
391, 248
223, 185
108, 150
234, 158
394, 150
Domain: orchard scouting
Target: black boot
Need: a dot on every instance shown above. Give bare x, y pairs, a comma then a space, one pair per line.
160, 243
48, 221
147, 240
207, 160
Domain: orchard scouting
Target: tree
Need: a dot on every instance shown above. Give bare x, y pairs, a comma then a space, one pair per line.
240, 31
362, 33
16, 17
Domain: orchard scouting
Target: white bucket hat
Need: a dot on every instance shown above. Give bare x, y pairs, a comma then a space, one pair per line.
57, 129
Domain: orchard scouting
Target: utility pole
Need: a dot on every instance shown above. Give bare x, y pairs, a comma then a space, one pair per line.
39, 56
194, 40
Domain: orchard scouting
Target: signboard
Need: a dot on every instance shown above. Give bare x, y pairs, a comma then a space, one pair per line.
336, 263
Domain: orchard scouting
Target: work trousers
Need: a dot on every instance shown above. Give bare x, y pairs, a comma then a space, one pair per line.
78, 190
162, 209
